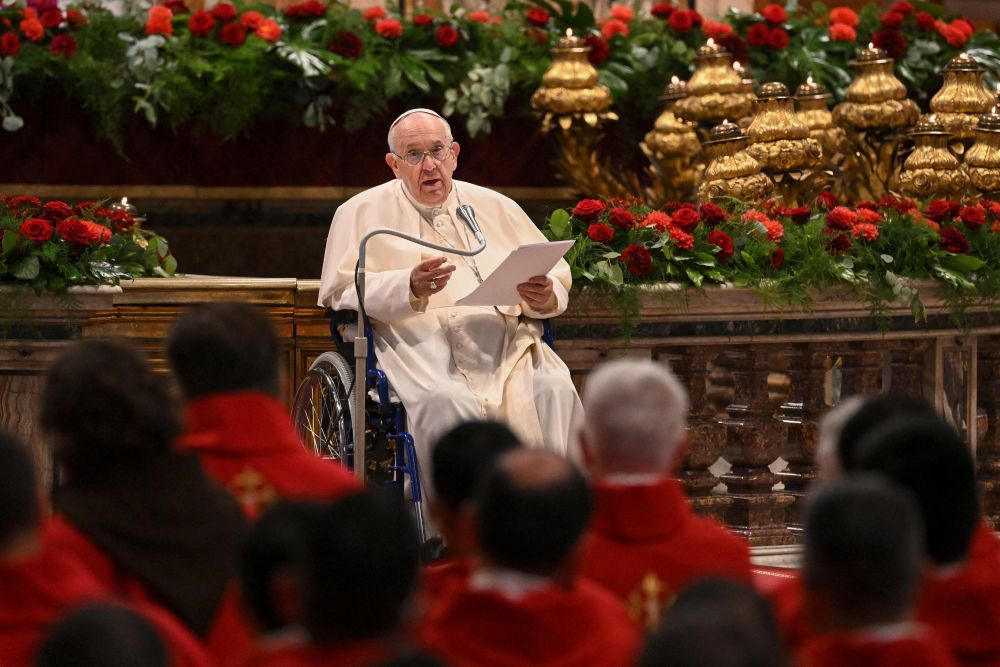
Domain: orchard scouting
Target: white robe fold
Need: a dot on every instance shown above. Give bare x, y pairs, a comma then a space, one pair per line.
451, 363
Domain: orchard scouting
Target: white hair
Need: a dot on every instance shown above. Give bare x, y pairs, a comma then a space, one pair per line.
636, 416
428, 112
828, 439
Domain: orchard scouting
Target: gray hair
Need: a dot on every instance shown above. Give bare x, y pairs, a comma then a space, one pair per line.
636, 416
828, 440
427, 112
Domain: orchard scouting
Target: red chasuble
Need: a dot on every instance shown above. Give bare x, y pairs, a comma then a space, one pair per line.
245, 440
580, 627
919, 648
645, 544
38, 591
439, 581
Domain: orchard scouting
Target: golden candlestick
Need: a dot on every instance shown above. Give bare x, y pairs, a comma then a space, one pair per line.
931, 170
715, 91
963, 97
731, 172
672, 147
982, 160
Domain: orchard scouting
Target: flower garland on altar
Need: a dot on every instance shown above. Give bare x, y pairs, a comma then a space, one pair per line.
53, 246
875, 248
224, 69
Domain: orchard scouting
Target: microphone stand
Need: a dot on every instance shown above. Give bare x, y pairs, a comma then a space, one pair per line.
361, 341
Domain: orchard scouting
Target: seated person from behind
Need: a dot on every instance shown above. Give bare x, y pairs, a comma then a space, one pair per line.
644, 543
459, 460
450, 363
226, 359
861, 572
523, 604
105, 635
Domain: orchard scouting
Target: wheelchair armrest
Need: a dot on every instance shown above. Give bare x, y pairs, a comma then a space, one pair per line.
337, 319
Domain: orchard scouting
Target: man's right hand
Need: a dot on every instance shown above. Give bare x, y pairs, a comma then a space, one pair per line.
430, 271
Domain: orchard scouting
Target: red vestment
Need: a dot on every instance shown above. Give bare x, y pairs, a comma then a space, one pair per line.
245, 440
921, 648
554, 626
645, 544
299, 653
438, 581
38, 591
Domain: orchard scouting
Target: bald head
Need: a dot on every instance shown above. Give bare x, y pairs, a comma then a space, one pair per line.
636, 416
533, 507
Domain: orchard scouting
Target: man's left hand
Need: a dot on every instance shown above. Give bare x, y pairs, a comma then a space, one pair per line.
537, 292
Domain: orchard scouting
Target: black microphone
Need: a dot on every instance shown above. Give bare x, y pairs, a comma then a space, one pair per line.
468, 216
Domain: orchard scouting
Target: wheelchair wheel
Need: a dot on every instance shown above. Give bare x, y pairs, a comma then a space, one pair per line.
323, 407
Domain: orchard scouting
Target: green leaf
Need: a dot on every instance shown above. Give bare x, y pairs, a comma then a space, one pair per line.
694, 276
10, 241
26, 269
170, 264
962, 263
559, 223
886, 258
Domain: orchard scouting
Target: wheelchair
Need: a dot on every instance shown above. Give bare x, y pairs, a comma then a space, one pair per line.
324, 406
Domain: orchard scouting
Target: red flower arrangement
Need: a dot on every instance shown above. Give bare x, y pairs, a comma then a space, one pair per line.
347, 45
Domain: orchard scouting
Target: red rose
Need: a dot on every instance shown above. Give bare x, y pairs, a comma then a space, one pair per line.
777, 258
479, 17
224, 12
589, 209
778, 38
842, 33
446, 35
799, 215
865, 230
423, 20
662, 11
939, 209
686, 218
599, 50
537, 16
925, 21
50, 18
903, 7
622, 217
993, 207
774, 14
955, 37
712, 214
681, 238
890, 41
974, 217
347, 45
622, 13
78, 209
716, 30
251, 20
120, 220
9, 44
681, 20
736, 46
57, 210
658, 219
953, 240
637, 259
866, 203
725, 243
613, 27
389, 28
963, 24
839, 244
233, 34
160, 21
841, 217
758, 35
307, 9
844, 16
869, 216
201, 23
76, 18
600, 232
36, 229
18, 202
268, 30
893, 20
175, 6
63, 45
901, 204
74, 230
32, 29
373, 13
696, 18
826, 199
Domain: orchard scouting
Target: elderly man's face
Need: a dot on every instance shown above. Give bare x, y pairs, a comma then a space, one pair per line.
430, 181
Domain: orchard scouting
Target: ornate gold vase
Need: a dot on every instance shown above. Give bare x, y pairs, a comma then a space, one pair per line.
715, 90
672, 147
814, 112
931, 169
778, 139
574, 106
963, 97
982, 160
731, 172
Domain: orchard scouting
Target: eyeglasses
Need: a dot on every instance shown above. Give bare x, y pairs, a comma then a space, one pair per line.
415, 158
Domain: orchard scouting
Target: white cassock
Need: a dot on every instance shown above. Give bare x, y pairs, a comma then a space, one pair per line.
450, 363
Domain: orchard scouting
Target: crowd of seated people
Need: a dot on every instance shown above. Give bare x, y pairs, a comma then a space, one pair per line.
190, 527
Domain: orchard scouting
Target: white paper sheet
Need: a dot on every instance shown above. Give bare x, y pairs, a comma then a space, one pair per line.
524, 262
